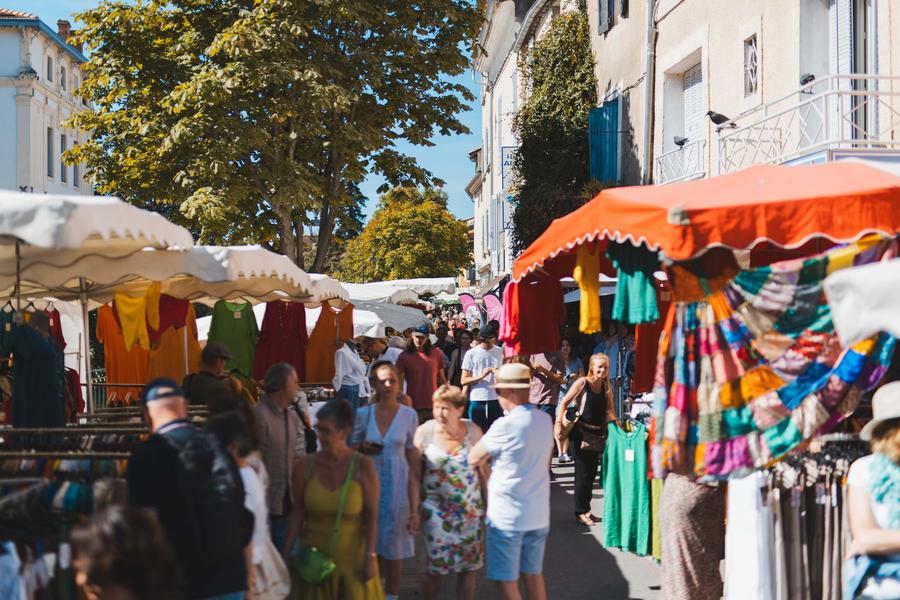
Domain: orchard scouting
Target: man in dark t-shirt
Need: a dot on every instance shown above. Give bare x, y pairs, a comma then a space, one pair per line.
211, 386
153, 483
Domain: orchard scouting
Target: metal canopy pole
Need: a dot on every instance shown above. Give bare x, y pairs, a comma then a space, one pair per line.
87, 344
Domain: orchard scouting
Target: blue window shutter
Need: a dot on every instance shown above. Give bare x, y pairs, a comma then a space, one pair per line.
603, 132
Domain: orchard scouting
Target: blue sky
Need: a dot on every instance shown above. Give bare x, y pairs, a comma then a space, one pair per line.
448, 159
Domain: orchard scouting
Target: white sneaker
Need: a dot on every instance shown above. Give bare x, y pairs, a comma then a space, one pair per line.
564, 458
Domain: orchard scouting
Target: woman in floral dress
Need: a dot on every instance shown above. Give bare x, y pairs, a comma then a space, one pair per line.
453, 495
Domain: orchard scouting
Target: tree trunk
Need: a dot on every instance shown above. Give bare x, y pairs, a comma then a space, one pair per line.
288, 234
323, 238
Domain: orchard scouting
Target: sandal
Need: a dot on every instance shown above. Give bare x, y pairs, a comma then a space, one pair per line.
585, 519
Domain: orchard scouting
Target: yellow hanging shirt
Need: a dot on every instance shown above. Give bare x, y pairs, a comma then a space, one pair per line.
133, 318
587, 274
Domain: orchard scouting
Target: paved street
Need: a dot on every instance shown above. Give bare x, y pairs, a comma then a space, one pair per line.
577, 566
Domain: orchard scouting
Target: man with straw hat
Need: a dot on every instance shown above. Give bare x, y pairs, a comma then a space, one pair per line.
518, 513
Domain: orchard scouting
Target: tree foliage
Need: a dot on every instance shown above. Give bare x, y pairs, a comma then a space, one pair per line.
411, 234
255, 117
551, 164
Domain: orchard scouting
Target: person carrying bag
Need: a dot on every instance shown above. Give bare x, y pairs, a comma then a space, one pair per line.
587, 430
311, 564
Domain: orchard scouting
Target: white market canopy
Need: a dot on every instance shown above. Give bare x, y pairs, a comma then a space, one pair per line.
428, 285
202, 273
394, 316
864, 300
327, 288
378, 292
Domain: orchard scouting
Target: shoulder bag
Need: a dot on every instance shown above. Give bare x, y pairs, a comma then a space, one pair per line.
569, 424
312, 565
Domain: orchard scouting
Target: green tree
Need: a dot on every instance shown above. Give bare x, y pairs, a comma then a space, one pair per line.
551, 164
254, 117
411, 234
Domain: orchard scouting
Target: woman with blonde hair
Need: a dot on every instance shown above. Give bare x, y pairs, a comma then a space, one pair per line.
874, 504
587, 437
453, 504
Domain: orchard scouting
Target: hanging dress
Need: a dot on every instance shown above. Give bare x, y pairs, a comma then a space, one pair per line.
322, 342
282, 338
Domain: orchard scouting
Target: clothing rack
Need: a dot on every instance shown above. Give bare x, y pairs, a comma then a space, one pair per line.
66, 455
5, 431
839, 437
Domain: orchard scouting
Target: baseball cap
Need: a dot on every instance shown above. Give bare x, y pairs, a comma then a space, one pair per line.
214, 350
160, 388
421, 330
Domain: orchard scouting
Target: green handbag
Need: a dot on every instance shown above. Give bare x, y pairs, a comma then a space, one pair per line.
311, 564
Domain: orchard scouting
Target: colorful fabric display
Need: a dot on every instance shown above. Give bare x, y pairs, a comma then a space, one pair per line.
283, 338
750, 372
635, 300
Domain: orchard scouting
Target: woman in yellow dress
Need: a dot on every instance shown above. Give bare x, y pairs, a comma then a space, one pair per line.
318, 480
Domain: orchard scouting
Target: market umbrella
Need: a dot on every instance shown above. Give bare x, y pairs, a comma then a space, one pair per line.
393, 316
201, 273
786, 206
326, 288
425, 285
376, 292
61, 231
864, 300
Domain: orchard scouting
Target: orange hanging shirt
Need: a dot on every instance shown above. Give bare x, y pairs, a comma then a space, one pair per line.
167, 355
122, 366
322, 342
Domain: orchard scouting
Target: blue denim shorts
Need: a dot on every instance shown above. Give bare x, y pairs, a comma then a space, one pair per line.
512, 552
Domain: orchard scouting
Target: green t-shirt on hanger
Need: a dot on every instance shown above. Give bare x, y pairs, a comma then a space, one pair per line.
234, 324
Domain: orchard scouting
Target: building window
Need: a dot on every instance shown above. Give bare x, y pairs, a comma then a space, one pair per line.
751, 66
76, 176
50, 69
62, 165
50, 158
62, 77
611, 11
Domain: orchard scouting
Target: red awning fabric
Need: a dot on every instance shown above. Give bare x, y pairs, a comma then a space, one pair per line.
784, 206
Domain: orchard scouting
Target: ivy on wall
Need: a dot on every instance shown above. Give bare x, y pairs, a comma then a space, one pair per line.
551, 165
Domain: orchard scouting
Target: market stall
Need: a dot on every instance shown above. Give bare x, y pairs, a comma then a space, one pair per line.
749, 368
52, 232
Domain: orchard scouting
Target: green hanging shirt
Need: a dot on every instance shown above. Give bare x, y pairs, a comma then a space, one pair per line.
626, 491
635, 299
234, 325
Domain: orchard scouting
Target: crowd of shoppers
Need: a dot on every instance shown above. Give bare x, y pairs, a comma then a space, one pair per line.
382, 472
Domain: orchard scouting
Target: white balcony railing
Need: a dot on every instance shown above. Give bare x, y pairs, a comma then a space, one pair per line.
858, 112
681, 164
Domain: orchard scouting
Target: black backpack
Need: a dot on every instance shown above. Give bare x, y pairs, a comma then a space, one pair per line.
221, 526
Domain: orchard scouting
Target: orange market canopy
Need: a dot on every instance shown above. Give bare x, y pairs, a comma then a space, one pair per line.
782, 206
